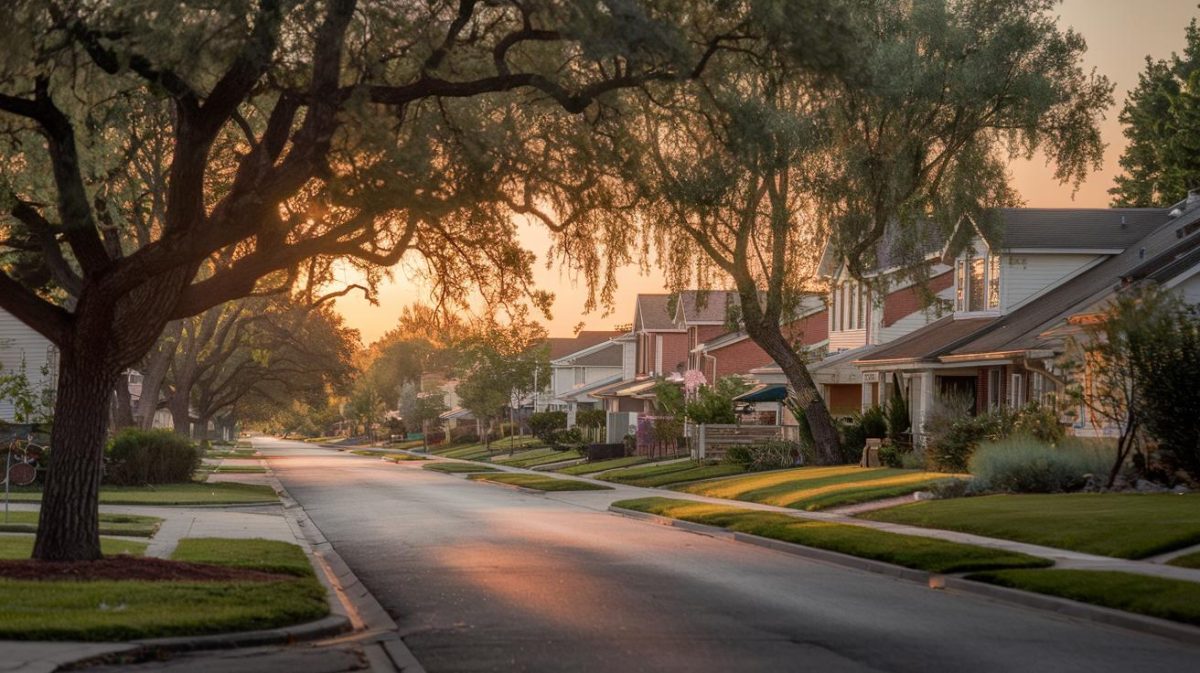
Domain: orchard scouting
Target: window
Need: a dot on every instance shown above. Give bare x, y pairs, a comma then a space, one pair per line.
849, 307
1016, 391
580, 376
993, 388
977, 284
861, 322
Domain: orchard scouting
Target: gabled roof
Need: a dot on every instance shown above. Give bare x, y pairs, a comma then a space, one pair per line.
590, 388
652, 313
1106, 230
608, 355
898, 248
561, 347
927, 343
708, 306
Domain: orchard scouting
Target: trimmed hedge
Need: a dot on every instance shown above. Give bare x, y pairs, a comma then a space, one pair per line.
138, 457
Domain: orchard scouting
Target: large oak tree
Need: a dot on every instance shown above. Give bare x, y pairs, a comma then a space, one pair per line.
290, 131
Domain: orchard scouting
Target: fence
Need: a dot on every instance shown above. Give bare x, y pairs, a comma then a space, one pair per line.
711, 442
660, 436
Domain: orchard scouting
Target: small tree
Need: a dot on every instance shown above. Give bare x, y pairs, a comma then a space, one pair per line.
898, 420
544, 423
714, 404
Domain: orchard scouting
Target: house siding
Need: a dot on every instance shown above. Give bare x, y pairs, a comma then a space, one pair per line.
905, 302
1190, 290
1023, 277
20, 343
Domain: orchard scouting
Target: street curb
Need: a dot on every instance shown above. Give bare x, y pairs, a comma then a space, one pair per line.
364, 612
321, 628
1061, 606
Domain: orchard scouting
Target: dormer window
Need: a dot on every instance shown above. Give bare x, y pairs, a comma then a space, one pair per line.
977, 283
849, 307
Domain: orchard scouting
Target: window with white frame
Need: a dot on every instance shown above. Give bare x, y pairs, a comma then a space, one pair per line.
977, 283
580, 376
1016, 391
993, 388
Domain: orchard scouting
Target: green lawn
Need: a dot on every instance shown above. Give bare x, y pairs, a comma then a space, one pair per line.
1186, 561
520, 457
220, 493
404, 457
602, 465
812, 488
1176, 600
458, 468
238, 453
110, 524
540, 482
936, 556
547, 459
17, 547
256, 554
478, 450
1109, 524
240, 469
129, 609
659, 474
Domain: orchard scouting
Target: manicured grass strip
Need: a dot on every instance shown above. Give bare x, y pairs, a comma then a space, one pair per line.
671, 473
110, 524
1186, 561
270, 556
935, 556
522, 456
219, 493
17, 547
812, 488
404, 457
540, 483
1177, 600
239, 469
602, 465
1109, 524
240, 453
548, 459
124, 610
458, 468
497, 446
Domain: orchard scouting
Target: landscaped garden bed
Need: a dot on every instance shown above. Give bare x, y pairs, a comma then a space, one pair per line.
665, 474
539, 482
1108, 524
125, 598
813, 488
935, 556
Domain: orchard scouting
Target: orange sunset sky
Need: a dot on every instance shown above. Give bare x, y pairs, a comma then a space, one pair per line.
1120, 34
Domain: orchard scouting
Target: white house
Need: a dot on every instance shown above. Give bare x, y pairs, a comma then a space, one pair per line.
24, 350
589, 362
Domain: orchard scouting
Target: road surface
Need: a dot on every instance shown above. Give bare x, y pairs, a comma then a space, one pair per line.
484, 578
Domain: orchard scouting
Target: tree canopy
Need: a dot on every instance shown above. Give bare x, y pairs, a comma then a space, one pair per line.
1162, 124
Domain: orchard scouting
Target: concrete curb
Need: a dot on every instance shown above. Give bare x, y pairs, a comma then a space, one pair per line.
1061, 606
321, 628
363, 610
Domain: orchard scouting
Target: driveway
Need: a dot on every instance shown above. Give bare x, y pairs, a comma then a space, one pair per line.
484, 578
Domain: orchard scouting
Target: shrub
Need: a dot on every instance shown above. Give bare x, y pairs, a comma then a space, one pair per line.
591, 418
565, 438
1025, 464
544, 423
898, 421
1039, 422
139, 457
766, 456
856, 430
891, 456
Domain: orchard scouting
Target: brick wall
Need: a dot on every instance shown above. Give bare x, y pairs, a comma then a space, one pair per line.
905, 302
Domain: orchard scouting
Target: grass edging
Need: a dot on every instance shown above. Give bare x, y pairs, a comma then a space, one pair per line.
536, 483
927, 555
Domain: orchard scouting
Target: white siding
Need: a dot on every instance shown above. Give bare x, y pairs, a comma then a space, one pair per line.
18, 343
1190, 289
1025, 276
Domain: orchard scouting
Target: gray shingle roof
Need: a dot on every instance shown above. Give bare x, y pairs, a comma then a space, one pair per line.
709, 306
1022, 328
1090, 228
929, 342
563, 346
652, 312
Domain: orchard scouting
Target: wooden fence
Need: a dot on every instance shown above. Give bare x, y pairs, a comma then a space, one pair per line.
711, 442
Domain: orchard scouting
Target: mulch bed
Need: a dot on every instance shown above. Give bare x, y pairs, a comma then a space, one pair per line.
131, 568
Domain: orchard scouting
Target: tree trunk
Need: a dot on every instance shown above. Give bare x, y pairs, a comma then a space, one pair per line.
181, 415
825, 435
123, 416
68, 528
202, 432
156, 373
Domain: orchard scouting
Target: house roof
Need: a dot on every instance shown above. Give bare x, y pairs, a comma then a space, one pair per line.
561, 347
899, 247
1158, 256
590, 388
652, 313
624, 388
928, 342
610, 355
1071, 228
705, 306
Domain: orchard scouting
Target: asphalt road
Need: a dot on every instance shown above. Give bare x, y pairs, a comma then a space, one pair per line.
484, 578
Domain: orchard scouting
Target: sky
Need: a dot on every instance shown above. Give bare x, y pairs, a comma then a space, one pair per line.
1119, 33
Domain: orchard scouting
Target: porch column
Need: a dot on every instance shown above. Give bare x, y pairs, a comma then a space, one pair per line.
926, 402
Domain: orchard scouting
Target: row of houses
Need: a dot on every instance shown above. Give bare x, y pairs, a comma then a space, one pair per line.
985, 313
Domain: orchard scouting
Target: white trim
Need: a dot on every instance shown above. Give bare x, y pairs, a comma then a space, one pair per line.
1176, 280
658, 355
1063, 251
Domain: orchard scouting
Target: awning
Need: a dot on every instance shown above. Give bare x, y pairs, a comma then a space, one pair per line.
772, 392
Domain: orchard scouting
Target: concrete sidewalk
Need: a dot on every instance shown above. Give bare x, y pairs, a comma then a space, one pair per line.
1062, 558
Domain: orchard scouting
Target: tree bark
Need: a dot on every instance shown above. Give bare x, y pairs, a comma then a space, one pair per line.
181, 416
68, 525
123, 412
770, 338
